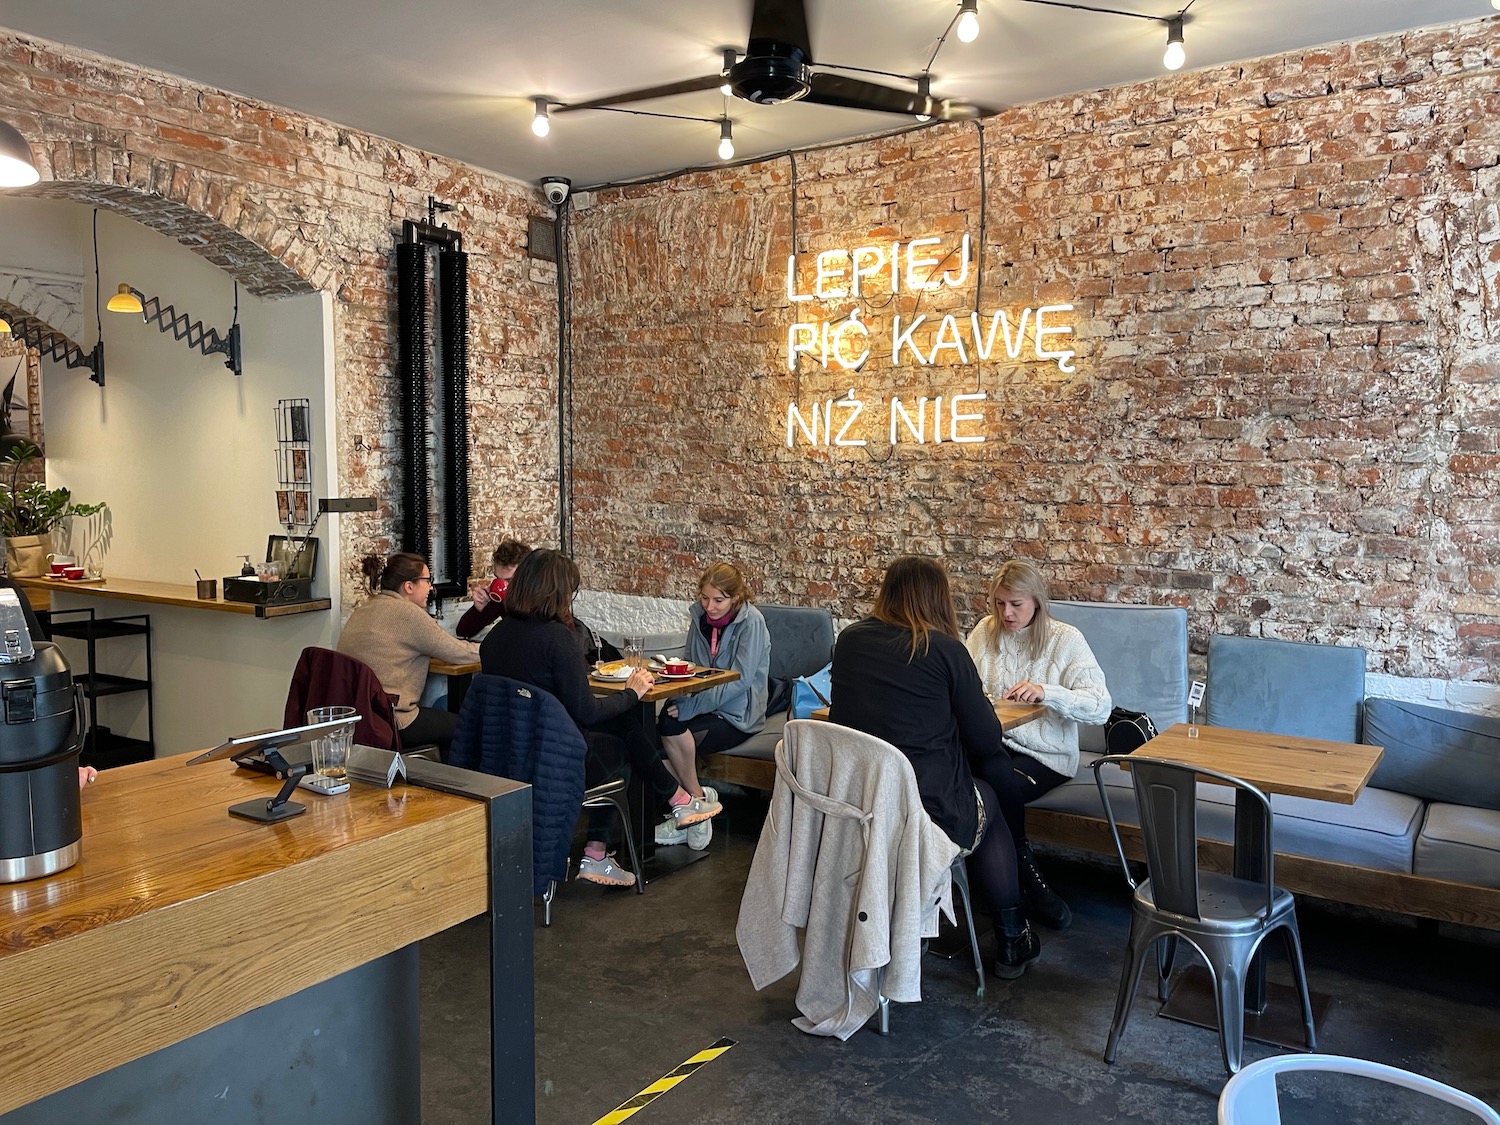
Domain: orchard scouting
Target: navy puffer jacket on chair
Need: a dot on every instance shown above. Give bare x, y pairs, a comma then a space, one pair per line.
514, 730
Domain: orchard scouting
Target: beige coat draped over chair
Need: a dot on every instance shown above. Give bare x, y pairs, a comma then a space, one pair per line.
849, 856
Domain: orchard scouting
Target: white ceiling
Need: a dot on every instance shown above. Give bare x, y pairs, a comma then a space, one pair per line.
456, 77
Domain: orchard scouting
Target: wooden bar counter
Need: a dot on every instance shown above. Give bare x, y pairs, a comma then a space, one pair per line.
180, 917
168, 593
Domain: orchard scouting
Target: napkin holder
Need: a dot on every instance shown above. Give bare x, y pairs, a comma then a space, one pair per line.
374, 766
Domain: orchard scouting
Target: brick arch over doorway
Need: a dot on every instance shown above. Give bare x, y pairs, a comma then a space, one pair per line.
289, 203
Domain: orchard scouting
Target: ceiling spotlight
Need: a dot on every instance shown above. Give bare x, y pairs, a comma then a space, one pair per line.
726, 140
968, 20
541, 125
924, 94
1495, 4
731, 56
1176, 55
16, 166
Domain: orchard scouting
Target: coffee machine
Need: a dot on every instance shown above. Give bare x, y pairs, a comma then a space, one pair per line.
41, 734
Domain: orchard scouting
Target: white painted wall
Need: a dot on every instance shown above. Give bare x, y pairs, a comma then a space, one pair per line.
184, 454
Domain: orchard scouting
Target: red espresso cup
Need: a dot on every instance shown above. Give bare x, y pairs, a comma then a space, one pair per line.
676, 668
73, 573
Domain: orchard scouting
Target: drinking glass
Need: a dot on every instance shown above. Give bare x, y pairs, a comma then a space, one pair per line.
632, 652
330, 753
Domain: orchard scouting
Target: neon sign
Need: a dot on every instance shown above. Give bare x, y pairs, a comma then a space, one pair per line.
920, 265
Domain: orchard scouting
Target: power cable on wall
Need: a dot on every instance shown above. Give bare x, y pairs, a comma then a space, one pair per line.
564, 387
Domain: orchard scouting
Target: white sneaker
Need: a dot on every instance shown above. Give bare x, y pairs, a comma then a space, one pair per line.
696, 810
698, 835
668, 833
605, 872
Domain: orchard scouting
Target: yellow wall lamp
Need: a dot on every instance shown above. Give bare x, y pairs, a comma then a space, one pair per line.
168, 319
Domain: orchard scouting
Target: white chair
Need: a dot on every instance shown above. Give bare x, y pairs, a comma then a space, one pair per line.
1249, 1098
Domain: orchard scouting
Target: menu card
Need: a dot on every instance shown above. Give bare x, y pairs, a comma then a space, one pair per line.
376, 767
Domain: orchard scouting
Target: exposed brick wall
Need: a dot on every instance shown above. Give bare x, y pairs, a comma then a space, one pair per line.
1286, 402
288, 203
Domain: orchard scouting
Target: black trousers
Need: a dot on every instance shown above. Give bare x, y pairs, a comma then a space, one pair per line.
1017, 779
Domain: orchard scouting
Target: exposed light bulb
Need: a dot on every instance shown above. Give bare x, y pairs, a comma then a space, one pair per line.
726, 140
541, 124
1176, 55
1495, 4
968, 21
924, 95
731, 56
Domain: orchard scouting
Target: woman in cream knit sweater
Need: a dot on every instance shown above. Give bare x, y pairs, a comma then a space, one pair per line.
1023, 653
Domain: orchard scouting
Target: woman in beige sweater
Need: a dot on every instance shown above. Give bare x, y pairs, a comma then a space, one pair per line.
395, 636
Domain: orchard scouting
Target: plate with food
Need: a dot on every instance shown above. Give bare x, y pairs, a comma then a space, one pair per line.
612, 670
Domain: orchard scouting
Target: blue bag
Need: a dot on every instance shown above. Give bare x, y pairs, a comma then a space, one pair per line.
811, 692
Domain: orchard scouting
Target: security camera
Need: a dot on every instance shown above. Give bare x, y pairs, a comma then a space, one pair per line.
556, 188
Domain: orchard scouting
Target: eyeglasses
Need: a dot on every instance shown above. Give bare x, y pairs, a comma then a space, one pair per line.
427, 578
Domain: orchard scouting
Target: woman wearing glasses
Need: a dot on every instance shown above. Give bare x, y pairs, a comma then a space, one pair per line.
394, 635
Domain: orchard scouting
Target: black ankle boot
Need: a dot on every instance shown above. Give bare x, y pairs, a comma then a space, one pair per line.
1045, 904
1019, 945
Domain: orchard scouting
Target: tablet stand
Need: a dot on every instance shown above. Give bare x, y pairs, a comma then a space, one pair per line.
279, 807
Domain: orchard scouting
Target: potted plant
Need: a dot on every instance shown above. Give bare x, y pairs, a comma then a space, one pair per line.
30, 512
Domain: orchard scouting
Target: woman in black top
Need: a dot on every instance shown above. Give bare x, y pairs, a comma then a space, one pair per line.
903, 675
537, 643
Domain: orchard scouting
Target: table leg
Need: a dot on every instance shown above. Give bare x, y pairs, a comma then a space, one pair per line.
458, 687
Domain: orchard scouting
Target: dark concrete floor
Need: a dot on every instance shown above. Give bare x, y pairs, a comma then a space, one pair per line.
629, 987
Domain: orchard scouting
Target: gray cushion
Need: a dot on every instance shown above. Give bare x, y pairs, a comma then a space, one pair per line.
1285, 687
1460, 844
762, 744
1435, 753
1143, 650
801, 639
1378, 831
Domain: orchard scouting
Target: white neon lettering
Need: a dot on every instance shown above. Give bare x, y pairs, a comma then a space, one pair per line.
918, 430
827, 272
947, 337
807, 334
1013, 347
937, 419
915, 263
1063, 356
957, 415
900, 338
948, 278
857, 407
791, 281
868, 262
795, 421
853, 324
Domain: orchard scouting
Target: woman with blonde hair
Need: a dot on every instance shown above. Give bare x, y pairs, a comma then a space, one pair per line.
726, 631
1024, 653
902, 674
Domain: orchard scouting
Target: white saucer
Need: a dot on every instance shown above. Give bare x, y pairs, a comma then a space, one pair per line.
677, 676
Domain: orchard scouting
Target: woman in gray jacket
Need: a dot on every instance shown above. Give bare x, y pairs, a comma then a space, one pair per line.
727, 631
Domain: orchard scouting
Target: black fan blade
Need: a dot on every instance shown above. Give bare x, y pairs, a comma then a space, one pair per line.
855, 93
690, 86
780, 21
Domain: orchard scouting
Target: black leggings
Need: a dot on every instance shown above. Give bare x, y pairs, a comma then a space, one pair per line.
617, 748
992, 865
1017, 779
431, 727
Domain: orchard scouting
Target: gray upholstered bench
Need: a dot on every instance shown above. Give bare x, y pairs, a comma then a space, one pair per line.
801, 644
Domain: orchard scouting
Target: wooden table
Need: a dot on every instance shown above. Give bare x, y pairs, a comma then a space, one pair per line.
180, 918
182, 595
1010, 712
1315, 768
663, 690
459, 676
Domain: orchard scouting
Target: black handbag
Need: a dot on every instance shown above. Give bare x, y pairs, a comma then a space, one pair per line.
1127, 731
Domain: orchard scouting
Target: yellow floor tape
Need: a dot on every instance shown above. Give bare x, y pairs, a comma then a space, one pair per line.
662, 1085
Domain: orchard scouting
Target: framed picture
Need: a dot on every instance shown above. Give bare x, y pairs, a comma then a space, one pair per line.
283, 549
283, 505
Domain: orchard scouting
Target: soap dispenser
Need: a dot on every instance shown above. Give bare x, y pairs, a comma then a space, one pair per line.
248, 570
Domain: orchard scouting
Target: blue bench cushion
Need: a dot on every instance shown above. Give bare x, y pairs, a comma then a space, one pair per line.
1285, 687
1143, 651
1378, 831
1435, 753
1460, 844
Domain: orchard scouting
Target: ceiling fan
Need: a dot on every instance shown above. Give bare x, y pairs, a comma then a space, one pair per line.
777, 66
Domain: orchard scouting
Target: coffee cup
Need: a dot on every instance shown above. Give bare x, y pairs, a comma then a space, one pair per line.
57, 569
60, 563
73, 573
676, 667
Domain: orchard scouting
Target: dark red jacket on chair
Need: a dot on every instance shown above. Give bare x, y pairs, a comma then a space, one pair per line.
324, 678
